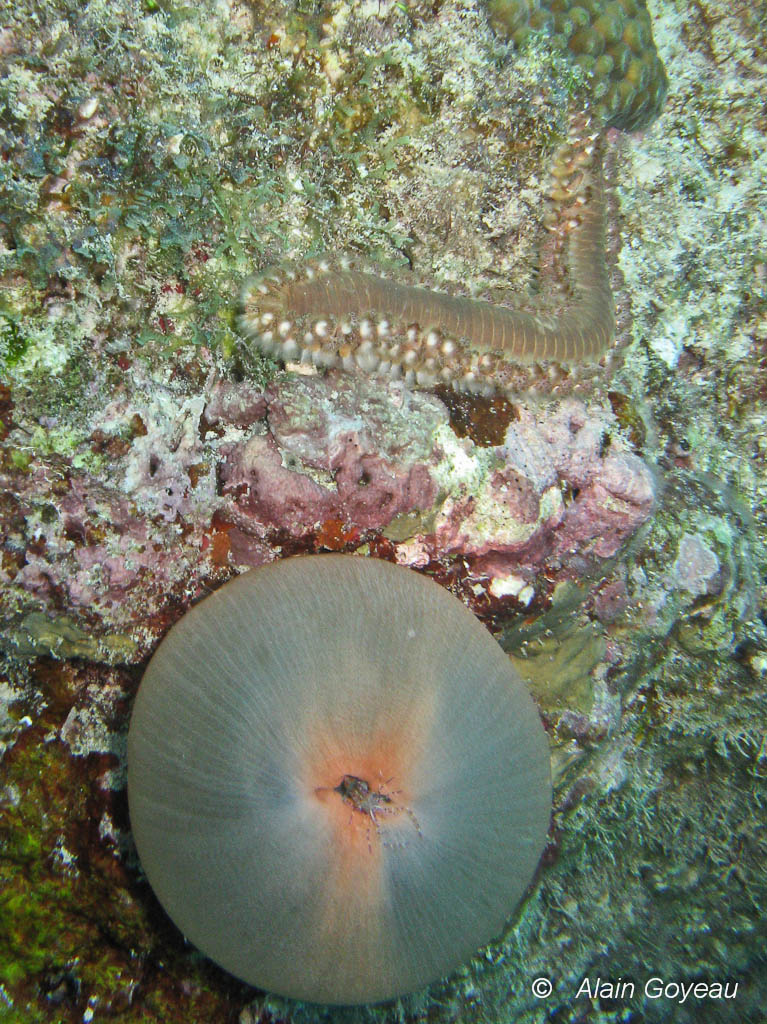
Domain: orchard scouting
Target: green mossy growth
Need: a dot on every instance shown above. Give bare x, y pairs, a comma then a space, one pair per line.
72, 935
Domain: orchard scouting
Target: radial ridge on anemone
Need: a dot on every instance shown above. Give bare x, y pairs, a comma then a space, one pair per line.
339, 787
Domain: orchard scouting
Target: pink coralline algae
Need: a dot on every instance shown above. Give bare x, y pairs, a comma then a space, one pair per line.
565, 491
345, 449
696, 569
79, 547
196, 486
158, 470
366, 490
611, 601
239, 405
616, 500
348, 452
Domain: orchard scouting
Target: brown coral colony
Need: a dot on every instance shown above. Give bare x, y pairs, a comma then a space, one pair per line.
610, 39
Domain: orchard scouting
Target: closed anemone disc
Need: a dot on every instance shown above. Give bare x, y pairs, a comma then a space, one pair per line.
339, 788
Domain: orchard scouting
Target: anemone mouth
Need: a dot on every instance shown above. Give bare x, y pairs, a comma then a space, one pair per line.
338, 786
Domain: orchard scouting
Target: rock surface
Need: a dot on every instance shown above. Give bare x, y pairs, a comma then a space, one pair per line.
155, 155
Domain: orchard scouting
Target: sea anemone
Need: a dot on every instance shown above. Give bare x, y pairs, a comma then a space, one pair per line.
339, 788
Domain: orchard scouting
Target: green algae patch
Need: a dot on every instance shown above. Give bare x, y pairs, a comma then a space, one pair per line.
77, 931
61, 637
558, 669
46, 891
